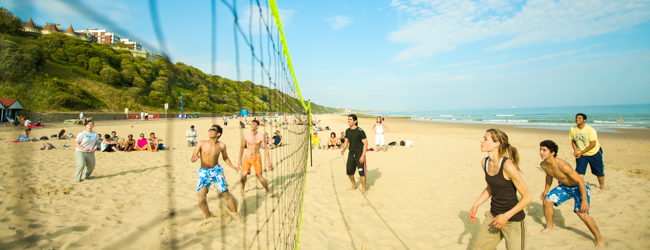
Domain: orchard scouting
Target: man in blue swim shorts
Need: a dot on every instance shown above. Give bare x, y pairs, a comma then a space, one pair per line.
570, 186
208, 151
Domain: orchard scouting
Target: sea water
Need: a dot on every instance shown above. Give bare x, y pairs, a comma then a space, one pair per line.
609, 116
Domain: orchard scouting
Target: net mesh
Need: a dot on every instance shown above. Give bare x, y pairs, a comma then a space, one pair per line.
270, 221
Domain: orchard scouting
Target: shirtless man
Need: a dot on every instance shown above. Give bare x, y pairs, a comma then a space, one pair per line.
252, 141
210, 170
570, 186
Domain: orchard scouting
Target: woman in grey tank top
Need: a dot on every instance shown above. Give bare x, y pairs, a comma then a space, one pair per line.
506, 217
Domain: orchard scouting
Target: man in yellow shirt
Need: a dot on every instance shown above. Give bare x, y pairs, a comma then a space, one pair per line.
586, 149
315, 140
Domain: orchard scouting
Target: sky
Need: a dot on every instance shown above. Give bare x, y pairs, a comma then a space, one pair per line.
393, 55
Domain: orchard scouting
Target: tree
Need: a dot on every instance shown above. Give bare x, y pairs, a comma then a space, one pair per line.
95, 65
110, 76
9, 24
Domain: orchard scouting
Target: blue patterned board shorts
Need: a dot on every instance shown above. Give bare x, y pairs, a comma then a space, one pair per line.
214, 174
562, 193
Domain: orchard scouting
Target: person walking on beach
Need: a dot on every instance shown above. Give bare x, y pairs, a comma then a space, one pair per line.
586, 149
146, 116
357, 142
191, 135
506, 216
85, 151
570, 185
142, 116
225, 121
210, 171
380, 128
252, 142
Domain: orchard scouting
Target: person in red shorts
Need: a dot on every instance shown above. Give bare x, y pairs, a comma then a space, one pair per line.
252, 142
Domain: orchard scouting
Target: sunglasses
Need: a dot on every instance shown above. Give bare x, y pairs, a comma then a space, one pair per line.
212, 130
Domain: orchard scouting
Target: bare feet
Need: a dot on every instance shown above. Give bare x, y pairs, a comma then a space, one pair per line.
546, 230
365, 193
601, 243
354, 187
603, 188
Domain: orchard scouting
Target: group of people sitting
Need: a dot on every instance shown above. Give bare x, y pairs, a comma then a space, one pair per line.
274, 141
332, 143
113, 143
24, 121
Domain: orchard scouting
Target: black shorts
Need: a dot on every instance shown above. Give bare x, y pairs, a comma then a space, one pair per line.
354, 165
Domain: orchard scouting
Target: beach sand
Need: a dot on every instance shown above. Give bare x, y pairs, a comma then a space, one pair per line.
419, 197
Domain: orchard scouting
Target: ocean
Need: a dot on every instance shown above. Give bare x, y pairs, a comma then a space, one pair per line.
606, 117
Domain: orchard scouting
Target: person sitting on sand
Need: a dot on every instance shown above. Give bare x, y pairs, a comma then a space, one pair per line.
121, 144
211, 172
61, 135
114, 136
46, 146
570, 185
315, 141
506, 218
25, 136
154, 142
277, 140
28, 122
107, 145
331, 143
342, 139
142, 144
130, 144
39, 123
98, 147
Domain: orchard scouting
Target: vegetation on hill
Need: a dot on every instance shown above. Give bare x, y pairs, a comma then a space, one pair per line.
57, 72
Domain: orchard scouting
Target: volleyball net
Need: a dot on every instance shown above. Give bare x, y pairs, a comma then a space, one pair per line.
270, 220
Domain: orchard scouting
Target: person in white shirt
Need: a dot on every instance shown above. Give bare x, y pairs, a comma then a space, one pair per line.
142, 116
81, 116
191, 136
85, 151
146, 116
28, 122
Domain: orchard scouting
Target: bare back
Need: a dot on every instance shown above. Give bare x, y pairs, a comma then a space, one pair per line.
561, 171
210, 152
253, 143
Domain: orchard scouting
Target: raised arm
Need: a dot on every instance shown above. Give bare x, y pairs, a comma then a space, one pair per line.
512, 172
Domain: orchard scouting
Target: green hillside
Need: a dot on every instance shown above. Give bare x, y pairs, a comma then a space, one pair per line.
56, 72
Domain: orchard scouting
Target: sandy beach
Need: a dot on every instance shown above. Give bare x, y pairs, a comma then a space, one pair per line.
419, 197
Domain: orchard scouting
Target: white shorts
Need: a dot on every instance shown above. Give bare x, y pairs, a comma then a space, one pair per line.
380, 139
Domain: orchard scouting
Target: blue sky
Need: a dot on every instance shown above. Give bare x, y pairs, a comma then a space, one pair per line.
424, 54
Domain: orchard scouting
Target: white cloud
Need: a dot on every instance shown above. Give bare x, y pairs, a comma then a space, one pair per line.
435, 26
338, 22
529, 60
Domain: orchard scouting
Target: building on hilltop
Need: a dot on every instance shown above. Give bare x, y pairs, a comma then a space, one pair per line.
104, 37
133, 44
56, 28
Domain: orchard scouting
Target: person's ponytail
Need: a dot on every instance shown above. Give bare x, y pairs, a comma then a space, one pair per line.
505, 149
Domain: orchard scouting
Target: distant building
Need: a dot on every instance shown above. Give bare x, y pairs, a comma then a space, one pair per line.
103, 36
56, 28
133, 44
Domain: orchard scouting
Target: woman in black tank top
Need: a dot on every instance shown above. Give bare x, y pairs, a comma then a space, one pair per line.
506, 216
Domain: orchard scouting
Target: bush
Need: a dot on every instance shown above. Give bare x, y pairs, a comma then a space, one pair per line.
110, 76
95, 65
156, 97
